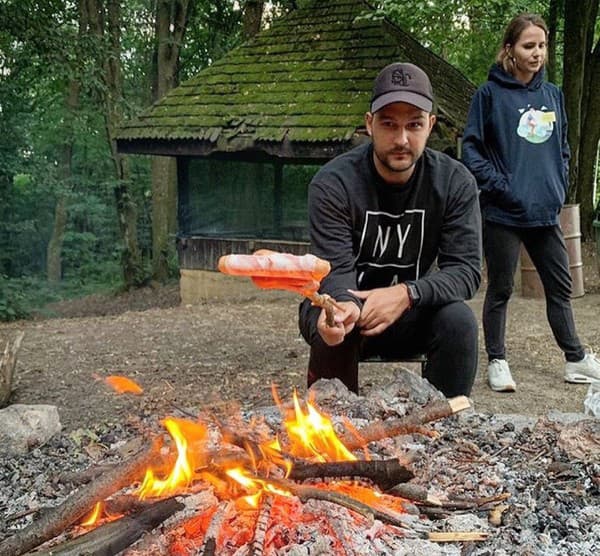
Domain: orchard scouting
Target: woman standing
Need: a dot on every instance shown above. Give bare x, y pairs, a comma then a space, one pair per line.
515, 144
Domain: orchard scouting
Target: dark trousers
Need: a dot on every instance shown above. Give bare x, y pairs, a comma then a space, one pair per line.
547, 250
447, 334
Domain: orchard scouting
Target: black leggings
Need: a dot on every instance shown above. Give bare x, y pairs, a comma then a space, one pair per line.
447, 334
547, 250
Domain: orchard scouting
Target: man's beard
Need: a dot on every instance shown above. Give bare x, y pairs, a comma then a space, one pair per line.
396, 166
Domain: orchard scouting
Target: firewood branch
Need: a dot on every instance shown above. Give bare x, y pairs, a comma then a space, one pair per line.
111, 538
57, 519
393, 427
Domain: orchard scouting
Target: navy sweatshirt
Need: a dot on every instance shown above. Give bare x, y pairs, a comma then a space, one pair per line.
515, 144
376, 234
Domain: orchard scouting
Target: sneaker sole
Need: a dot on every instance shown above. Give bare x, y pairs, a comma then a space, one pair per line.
579, 379
506, 388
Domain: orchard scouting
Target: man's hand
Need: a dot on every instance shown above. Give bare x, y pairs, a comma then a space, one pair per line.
382, 307
345, 320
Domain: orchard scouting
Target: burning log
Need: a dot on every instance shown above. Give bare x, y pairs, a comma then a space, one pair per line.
8, 362
209, 547
111, 538
394, 427
384, 473
262, 524
79, 504
305, 493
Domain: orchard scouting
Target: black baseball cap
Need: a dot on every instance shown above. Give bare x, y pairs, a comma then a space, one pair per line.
402, 82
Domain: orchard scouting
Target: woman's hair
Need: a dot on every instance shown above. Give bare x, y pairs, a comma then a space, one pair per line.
511, 35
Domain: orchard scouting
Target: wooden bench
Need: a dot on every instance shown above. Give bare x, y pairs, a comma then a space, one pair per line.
420, 358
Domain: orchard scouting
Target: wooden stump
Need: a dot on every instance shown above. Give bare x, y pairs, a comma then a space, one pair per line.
8, 362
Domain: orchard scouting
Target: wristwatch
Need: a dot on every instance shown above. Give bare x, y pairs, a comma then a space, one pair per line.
413, 294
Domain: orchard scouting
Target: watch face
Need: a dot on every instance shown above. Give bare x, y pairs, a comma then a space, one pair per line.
414, 294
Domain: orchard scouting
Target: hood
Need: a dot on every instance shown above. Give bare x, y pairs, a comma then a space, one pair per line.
505, 79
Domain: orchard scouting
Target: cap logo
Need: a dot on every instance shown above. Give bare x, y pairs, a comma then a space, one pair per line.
401, 77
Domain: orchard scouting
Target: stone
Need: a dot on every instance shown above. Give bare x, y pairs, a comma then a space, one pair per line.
24, 427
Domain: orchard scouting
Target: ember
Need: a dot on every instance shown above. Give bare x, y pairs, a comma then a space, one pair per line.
510, 485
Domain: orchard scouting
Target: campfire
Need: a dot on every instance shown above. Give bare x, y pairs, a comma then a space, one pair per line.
245, 487
334, 473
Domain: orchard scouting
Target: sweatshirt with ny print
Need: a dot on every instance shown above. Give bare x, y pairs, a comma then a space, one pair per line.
375, 234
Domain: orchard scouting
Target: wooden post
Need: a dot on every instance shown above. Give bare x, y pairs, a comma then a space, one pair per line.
8, 362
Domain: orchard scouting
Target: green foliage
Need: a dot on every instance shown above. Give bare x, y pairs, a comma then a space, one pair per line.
466, 34
13, 304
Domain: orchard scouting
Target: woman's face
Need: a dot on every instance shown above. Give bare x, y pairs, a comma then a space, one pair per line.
529, 53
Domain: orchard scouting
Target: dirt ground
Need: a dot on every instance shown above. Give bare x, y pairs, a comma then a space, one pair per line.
197, 357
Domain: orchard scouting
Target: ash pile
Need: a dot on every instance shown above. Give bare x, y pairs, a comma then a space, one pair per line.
463, 483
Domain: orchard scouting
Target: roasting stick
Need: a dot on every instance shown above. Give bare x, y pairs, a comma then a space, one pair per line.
301, 274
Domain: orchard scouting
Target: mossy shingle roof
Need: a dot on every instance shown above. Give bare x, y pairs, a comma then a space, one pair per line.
304, 81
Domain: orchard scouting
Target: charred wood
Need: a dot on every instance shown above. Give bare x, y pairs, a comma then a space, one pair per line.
111, 538
384, 473
416, 493
57, 519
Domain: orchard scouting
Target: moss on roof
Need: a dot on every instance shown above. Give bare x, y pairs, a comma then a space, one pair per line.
307, 78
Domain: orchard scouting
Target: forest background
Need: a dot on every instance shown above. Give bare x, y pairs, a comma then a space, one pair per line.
78, 217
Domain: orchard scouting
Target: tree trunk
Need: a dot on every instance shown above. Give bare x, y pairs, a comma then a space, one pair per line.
589, 146
172, 17
54, 249
252, 18
576, 13
552, 20
164, 209
133, 272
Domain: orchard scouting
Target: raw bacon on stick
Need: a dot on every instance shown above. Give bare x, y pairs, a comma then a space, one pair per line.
301, 274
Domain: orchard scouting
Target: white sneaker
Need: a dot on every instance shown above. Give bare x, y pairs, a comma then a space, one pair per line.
499, 377
585, 371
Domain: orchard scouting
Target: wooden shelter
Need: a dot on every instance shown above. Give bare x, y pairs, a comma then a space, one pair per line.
295, 94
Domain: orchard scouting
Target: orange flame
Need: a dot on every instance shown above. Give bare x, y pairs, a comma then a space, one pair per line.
254, 486
189, 437
94, 515
122, 384
312, 435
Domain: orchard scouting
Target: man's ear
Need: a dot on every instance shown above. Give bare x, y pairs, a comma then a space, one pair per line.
369, 123
432, 120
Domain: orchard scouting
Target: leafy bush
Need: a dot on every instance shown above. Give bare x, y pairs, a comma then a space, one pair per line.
13, 304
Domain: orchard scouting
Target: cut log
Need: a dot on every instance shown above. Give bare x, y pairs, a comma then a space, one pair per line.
111, 538
8, 362
384, 473
59, 518
405, 425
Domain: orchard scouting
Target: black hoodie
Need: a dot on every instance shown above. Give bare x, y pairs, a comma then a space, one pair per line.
376, 235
